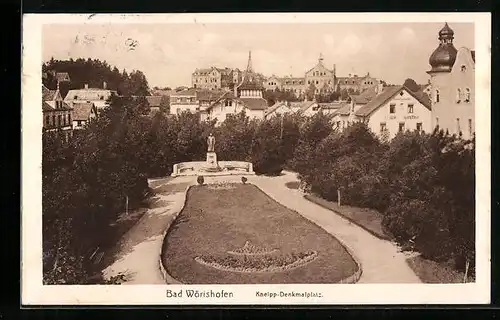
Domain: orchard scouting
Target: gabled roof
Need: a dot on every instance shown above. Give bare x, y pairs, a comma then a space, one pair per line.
209, 95
332, 105
47, 94
254, 103
365, 96
275, 107
81, 111
46, 106
388, 94
91, 94
345, 110
186, 92
302, 106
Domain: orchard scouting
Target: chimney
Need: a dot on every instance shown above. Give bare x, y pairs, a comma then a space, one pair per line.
379, 88
86, 86
104, 85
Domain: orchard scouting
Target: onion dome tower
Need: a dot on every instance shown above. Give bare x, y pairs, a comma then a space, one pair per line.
443, 58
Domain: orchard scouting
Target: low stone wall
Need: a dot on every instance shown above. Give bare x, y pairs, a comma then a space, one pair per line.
193, 168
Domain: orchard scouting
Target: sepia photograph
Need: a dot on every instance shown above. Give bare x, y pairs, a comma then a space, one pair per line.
257, 159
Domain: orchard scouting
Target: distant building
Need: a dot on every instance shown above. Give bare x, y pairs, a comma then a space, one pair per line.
452, 86
272, 83
98, 96
294, 85
215, 78
246, 96
279, 108
82, 114
321, 77
56, 113
183, 101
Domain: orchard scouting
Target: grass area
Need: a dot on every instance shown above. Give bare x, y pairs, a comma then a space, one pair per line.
433, 272
215, 221
368, 219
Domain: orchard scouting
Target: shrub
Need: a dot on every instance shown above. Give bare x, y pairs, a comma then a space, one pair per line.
200, 180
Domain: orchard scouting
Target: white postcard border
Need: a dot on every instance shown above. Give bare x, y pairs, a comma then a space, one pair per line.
34, 293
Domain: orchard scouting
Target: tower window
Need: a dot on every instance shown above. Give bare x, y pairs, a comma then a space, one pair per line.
437, 95
463, 68
467, 95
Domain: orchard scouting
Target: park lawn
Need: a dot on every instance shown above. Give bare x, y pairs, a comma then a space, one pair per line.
216, 221
433, 272
368, 219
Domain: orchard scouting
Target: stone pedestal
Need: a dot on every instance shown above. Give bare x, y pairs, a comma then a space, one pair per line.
212, 160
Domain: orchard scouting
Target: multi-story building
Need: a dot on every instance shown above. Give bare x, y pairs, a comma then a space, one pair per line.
394, 110
319, 76
355, 83
184, 100
216, 78
56, 113
452, 86
273, 83
294, 85
98, 96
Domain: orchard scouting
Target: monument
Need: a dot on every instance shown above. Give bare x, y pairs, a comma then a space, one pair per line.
211, 155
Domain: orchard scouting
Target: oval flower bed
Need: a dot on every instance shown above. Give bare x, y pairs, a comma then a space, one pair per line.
263, 263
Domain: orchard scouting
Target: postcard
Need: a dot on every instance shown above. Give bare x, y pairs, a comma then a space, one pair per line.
256, 159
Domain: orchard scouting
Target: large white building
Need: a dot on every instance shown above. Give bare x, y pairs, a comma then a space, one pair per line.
396, 109
98, 96
452, 86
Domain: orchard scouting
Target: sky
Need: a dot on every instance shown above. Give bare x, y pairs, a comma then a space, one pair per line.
169, 53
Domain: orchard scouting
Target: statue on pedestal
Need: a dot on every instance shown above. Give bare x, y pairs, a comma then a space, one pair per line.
211, 143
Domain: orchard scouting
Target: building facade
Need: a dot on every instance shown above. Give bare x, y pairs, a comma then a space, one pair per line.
98, 96
319, 76
396, 109
452, 86
56, 113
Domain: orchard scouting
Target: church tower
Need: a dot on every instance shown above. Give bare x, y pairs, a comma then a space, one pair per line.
251, 86
441, 62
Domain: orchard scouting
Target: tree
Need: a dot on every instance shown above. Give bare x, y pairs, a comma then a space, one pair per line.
411, 85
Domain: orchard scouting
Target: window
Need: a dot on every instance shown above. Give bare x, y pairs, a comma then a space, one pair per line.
101, 97
75, 97
392, 108
459, 95
59, 120
437, 121
401, 126
437, 96
178, 110
47, 121
467, 95
458, 126
317, 81
69, 118
338, 124
419, 126
463, 68
410, 108
470, 127
383, 127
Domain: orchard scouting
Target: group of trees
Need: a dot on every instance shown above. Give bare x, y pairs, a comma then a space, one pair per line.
423, 183
94, 73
